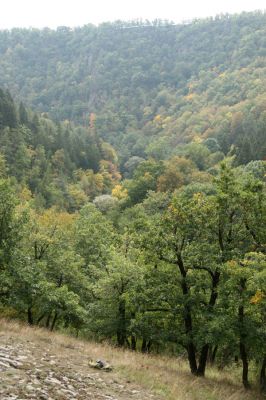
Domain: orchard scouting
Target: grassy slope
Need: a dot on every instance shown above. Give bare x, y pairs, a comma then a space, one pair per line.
166, 378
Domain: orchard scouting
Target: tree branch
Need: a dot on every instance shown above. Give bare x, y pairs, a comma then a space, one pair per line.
201, 268
163, 258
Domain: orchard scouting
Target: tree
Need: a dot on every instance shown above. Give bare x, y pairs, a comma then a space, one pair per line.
244, 281
193, 240
9, 234
112, 310
94, 237
177, 173
47, 278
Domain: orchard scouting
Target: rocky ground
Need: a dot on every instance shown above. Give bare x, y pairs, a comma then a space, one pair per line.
39, 368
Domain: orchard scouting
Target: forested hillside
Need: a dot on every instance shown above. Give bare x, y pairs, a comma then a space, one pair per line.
132, 187
58, 163
148, 88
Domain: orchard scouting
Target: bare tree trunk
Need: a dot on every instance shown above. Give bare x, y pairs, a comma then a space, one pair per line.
244, 358
47, 324
54, 321
191, 349
121, 329
40, 318
30, 316
242, 346
205, 349
203, 360
133, 342
144, 345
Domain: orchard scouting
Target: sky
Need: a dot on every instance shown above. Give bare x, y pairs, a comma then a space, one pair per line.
53, 13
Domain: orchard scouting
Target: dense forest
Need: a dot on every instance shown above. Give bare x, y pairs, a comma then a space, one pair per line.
132, 186
148, 88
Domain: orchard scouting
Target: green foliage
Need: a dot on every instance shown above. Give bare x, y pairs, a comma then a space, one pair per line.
145, 90
161, 274
143, 224
94, 236
9, 234
59, 163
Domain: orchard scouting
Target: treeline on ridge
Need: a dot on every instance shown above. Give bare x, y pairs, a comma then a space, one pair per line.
148, 88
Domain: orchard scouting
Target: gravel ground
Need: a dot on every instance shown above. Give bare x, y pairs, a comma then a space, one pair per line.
44, 370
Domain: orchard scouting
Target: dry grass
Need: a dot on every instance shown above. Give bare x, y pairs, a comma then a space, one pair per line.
168, 378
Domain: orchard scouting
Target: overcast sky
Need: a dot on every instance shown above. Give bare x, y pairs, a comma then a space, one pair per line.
53, 13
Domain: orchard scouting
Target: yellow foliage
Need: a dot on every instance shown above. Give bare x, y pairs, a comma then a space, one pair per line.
147, 174
222, 75
119, 192
78, 195
25, 195
197, 139
197, 196
228, 115
50, 225
158, 118
191, 96
258, 297
232, 263
91, 184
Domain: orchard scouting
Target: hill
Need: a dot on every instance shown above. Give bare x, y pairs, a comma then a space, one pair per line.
140, 218
148, 88
46, 365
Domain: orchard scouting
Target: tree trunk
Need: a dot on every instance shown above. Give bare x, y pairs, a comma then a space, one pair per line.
133, 342
54, 321
244, 358
242, 349
30, 316
121, 329
242, 335
40, 318
144, 346
133, 337
205, 349
203, 360
263, 376
191, 349
47, 324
